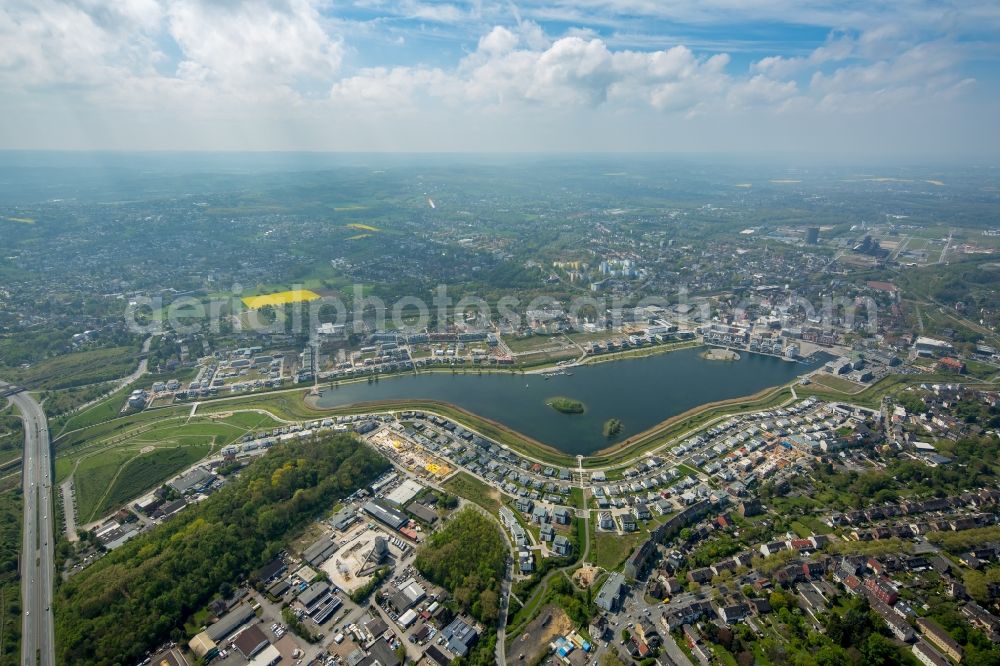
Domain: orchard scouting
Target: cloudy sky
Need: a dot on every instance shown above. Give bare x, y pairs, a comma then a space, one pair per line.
904, 79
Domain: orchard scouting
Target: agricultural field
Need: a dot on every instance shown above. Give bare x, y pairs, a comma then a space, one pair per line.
280, 298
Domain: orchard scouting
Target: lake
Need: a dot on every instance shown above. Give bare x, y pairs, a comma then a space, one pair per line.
640, 392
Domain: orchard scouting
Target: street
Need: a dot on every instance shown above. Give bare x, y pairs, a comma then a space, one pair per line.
38, 634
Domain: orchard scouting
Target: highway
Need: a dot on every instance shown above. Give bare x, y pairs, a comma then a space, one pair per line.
38, 634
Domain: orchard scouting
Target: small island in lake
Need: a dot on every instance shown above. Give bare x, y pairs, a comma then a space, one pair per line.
566, 405
612, 427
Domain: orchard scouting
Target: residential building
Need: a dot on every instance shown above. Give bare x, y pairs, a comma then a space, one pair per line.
612, 593
927, 655
940, 638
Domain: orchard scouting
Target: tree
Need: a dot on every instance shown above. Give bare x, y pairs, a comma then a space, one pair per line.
467, 557
780, 600
489, 602
611, 659
879, 651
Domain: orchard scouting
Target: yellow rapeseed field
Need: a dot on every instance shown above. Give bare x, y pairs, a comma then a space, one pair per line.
280, 298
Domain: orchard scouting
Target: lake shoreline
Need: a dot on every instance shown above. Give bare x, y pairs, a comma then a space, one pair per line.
719, 354
642, 395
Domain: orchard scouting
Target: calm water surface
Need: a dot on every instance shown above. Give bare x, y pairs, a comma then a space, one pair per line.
640, 392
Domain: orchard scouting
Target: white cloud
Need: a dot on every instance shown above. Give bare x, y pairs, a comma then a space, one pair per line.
836, 49
925, 70
836, 14
389, 88
498, 41
270, 64
437, 12
253, 43
48, 42
761, 90
117, 51
571, 71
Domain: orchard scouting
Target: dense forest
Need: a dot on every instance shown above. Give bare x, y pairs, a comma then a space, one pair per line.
10, 589
109, 355
139, 595
10, 429
467, 557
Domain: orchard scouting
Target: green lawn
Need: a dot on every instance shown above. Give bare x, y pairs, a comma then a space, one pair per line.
92, 478
467, 486
105, 478
534, 342
251, 421
223, 432
149, 471
64, 466
815, 524
836, 383
610, 550
102, 428
801, 530
102, 411
286, 405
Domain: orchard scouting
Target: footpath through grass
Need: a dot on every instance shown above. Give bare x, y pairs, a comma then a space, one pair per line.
146, 472
111, 471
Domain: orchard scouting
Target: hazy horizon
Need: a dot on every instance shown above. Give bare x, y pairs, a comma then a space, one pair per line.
321, 159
